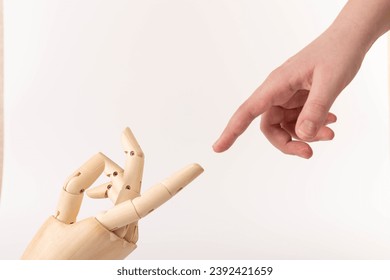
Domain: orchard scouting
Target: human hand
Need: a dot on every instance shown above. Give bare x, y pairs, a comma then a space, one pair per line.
114, 233
295, 99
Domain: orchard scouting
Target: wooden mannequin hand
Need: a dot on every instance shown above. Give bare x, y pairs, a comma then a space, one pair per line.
113, 234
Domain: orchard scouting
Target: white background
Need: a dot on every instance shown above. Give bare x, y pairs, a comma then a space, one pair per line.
78, 72
282, 269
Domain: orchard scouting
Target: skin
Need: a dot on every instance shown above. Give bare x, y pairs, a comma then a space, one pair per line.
295, 99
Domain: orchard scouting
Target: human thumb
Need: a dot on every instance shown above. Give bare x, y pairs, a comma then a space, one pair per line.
315, 110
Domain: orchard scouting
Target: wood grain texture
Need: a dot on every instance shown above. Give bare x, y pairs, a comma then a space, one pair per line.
85, 240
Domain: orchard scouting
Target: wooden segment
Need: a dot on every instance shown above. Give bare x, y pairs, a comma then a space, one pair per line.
121, 232
126, 194
85, 240
119, 216
132, 233
111, 169
130, 143
132, 179
115, 173
114, 191
121, 191
134, 160
72, 194
182, 178
134, 170
68, 207
125, 184
84, 177
151, 199
130, 211
99, 191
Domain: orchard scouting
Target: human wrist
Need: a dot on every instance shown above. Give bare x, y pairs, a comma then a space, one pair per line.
363, 22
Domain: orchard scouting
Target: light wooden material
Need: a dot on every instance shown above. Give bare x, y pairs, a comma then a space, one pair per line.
133, 177
125, 184
84, 240
134, 160
112, 235
115, 173
73, 191
99, 191
133, 210
68, 207
86, 175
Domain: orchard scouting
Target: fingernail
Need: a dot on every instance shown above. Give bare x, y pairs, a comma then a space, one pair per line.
306, 153
308, 129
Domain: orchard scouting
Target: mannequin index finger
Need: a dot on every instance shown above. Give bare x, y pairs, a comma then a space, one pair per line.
131, 211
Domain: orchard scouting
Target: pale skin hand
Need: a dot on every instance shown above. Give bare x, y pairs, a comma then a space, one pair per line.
295, 99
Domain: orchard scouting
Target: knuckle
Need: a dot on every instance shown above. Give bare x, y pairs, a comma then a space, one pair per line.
317, 107
279, 73
251, 110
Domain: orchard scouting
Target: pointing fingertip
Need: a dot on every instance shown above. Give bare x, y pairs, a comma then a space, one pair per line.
305, 156
217, 148
305, 153
331, 135
222, 144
